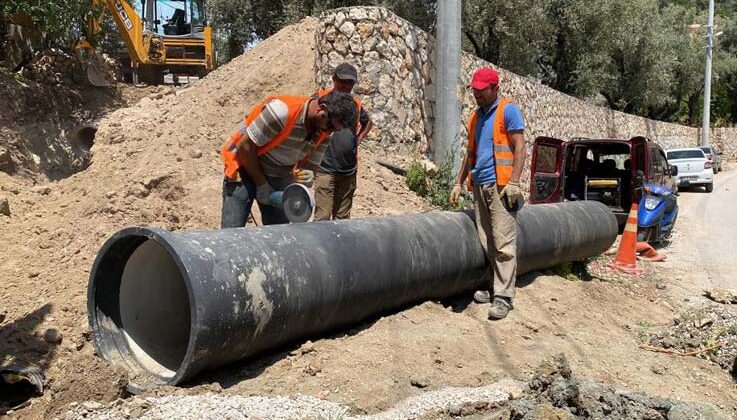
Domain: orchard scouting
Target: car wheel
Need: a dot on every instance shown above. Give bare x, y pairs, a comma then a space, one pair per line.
709, 187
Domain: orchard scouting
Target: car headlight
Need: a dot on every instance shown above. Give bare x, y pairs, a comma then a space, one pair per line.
652, 202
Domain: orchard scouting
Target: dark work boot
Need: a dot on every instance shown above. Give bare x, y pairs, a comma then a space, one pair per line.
500, 307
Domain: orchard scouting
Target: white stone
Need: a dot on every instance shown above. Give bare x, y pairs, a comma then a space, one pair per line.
339, 19
382, 48
370, 44
334, 59
378, 117
356, 44
374, 14
379, 101
341, 44
411, 40
348, 28
385, 85
358, 13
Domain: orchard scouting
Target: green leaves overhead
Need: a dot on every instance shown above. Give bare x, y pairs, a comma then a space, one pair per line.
61, 21
640, 56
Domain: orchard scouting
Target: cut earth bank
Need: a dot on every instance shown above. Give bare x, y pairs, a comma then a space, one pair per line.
156, 163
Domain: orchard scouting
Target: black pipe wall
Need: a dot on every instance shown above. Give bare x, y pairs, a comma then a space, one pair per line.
169, 305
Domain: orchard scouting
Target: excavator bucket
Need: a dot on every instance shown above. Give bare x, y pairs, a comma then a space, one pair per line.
95, 71
96, 75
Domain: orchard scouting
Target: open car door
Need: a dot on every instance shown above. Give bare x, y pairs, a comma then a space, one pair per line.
546, 177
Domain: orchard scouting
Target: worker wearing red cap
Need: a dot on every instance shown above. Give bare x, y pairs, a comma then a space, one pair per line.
495, 157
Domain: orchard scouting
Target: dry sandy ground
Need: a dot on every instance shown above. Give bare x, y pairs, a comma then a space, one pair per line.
157, 163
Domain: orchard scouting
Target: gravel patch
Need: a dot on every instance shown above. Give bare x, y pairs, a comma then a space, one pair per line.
708, 332
234, 407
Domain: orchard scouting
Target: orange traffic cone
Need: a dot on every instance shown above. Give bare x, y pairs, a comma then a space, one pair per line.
626, 259
647, 252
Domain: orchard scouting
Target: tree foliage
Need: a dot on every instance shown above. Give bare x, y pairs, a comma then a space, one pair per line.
639, 56
61, 21
642, 56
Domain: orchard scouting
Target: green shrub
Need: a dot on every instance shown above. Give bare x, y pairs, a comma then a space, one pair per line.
417, 178
573, 271
435, 187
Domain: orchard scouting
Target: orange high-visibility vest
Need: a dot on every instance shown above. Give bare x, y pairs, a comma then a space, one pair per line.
359, 106
503, 146
295, 105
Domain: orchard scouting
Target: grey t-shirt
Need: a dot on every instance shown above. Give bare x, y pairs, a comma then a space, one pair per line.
340, 156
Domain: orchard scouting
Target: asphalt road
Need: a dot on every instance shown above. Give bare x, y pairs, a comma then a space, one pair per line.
705, 243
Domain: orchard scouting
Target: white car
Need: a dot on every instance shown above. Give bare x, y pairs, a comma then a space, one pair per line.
693, 167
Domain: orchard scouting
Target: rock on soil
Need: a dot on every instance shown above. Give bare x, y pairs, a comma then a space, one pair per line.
722, 295
557, 392
710, 331
4, 206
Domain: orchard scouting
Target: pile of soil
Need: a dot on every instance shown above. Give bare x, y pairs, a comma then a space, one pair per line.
708, 332
52, 67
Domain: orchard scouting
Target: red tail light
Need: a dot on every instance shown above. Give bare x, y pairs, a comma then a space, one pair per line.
707, 165
710, 157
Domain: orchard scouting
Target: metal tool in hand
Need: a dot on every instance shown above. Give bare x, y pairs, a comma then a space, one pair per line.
297, 200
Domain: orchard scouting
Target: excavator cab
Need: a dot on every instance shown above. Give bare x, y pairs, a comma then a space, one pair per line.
177, 24
179, 17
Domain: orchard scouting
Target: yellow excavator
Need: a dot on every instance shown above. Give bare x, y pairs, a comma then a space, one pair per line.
180, 45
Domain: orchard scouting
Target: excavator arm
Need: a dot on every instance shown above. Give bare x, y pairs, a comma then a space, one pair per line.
129, 25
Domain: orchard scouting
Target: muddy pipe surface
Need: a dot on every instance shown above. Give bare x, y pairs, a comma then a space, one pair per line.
169, 305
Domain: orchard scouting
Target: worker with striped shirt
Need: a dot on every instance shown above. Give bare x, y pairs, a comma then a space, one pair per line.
281, 141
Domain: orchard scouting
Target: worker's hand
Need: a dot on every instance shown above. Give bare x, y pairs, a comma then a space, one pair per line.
455, 194
304, 177
263, 192
511, 194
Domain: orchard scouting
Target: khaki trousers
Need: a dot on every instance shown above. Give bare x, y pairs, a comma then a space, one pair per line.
333, 196
497, 229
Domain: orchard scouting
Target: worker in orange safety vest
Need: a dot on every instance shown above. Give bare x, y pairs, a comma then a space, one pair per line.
281, 141
335, 180
495, 158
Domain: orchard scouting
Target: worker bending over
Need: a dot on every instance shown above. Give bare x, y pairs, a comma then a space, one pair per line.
281, 141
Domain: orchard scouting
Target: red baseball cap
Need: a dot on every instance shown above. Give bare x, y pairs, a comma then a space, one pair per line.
484, 77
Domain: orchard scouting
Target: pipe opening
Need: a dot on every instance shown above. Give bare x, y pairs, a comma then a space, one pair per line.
83, 140
143, 293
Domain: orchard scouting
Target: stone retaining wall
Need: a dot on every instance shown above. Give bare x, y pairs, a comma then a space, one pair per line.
395, 60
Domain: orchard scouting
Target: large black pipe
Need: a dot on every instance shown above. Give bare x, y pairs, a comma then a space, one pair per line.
169, 305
